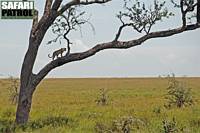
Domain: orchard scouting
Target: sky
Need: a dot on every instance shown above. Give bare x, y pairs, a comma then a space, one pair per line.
178, 54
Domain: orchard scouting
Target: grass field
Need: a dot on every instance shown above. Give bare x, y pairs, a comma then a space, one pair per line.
74, 100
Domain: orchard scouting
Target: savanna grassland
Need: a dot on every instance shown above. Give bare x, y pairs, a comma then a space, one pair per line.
72, 102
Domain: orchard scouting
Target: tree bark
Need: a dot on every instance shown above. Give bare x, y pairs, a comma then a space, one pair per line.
24, 106
27, 88
26, 91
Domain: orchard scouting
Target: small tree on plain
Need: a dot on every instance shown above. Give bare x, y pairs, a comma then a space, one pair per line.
178, 94
102, 98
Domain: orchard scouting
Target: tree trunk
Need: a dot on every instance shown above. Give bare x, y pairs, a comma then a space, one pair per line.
26, 78
24, 106
26, 91
23, 109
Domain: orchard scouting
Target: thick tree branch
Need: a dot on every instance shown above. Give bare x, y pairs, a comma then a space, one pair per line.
35, 21
110, 45
56, 4
94, 1
47, 7
67, 6
77, 2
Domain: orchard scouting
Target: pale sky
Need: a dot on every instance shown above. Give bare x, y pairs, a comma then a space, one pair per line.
178, 54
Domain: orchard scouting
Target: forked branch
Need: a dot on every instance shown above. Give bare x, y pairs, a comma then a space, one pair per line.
71, 20
186, 6
47, 7
78, 2
140, 17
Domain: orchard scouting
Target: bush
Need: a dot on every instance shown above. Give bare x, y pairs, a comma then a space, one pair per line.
102, 99
122, 125
178, 94
8, 114
49, 121
157, 110
195, 122
170, 126
13, 90
8, 126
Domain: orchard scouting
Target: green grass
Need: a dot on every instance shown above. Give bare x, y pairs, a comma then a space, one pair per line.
74, 99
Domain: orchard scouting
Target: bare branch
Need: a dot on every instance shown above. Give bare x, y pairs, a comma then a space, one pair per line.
94, 2
140, 17
120, 31
35, 21
186, 6
67, 6
56, 4
109, 45
183, 12
77, 2
70, 20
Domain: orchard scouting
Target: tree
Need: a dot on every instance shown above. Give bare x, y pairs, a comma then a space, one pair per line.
178, 93
135, 15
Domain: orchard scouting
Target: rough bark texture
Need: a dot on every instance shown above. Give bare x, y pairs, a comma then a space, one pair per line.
29, 81
24, 106
27, 88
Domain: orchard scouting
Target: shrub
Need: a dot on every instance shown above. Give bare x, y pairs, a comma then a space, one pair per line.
101, 128
195, 122
102, 99
7, 126
178, 94
157, 110
49, 121
8, 114
170, 126
13, 90
122, 125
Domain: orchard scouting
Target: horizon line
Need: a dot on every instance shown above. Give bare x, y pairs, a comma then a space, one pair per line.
110, 77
